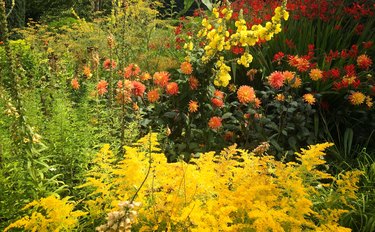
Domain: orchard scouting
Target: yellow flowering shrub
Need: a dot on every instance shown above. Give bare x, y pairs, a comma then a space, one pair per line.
49, 214
217, 38
235, 190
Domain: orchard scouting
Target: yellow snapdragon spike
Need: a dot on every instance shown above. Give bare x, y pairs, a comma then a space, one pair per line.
218, 39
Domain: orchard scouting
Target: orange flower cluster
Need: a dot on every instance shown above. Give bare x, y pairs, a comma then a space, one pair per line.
357, 98
186, 68
276, 80
218, 99
193, 83
246, 94
138, 88
364, 62
193, 106
87, 71
309, 98
102, 87
172, 88
215, 123
300, 63
132, 70
316, 74
108, 64
75, 84
153, 95
293, 80
161, 78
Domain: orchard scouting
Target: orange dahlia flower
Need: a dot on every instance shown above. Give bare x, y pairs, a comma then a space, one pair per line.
193, 106
276, 80
245, 94
215, 123
138, 88
309, 98
357, 98
193, 83
172, 88
316, 74
186, 68
153, 95
364, 62
161, 78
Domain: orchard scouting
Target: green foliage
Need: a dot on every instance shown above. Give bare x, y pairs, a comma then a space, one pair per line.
362, 216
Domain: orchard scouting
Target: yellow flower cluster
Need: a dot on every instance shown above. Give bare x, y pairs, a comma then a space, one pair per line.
218, 38
49, 214
222, 77
233, 191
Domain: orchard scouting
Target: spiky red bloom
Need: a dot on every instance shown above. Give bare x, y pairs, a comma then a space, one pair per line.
161, 78
215, 123
276, 80
364, 62
217, 102
193, 83
138, 88
172, 88
186, 68
193, 106
109, 63
153, 95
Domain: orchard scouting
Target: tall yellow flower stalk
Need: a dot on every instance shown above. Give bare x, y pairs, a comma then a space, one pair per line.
216, 35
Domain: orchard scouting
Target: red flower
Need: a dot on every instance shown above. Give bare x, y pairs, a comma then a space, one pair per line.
186, 68
193, 83
138, 88
215, 123
109, 63
278, 56
217, 102
335, 73
161, 78
153, 95
353, 52
359, 29
238, 50
172, 88
368, 44
364, 62
276, 80
350, 70
131, 70
178, 29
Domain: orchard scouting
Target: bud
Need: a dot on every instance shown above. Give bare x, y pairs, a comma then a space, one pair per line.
110, 41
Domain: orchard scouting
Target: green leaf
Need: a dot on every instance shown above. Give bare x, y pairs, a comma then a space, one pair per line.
208, 4
348, 140
187, 5
226, 115
170, 114
276, 145
292, 142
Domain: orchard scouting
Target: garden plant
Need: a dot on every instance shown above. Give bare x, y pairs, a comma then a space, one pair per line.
194, 115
